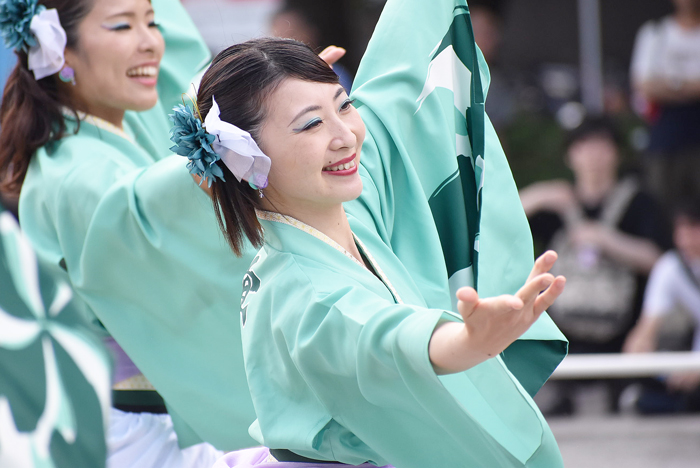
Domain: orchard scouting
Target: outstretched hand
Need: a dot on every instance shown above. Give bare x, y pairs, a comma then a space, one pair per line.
492, 324
332, 54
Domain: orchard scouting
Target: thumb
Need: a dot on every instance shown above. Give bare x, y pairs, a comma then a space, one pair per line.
468, 299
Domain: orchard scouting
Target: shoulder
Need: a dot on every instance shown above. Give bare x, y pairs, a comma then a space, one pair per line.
642, 204
69, 177
644, 217
76, 156
652, 28
668, 266
284, 272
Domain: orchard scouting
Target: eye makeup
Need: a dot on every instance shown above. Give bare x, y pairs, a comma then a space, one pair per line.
308, 125
346, 104
121, 26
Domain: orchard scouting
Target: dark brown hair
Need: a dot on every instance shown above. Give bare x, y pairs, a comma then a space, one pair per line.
241, 78
31, 111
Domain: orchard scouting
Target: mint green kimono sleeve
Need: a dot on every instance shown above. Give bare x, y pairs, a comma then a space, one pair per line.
162, 280
439, 171
141, 246
354, 382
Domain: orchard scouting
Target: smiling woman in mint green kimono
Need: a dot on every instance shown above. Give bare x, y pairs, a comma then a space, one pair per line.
346, 359
109, 208
85, 134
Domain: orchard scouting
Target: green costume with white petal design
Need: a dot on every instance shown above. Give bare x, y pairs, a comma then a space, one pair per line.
54, 373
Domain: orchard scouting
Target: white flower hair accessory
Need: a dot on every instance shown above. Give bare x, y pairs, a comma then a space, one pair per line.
46, 58
28, 26
237, 150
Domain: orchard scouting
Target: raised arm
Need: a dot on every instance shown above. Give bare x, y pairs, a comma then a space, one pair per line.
373, 355
442, 194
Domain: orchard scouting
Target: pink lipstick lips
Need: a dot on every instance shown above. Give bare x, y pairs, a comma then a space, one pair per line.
343, 167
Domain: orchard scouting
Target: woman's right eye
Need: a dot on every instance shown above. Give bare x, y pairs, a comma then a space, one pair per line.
309, 125
313, 123
119, 27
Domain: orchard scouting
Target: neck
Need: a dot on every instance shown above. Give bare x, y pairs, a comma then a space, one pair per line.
108, 114
113, 116
591, 191
688, 18
331, 221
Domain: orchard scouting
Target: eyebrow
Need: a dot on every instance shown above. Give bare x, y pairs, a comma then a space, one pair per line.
129, 14
314, 108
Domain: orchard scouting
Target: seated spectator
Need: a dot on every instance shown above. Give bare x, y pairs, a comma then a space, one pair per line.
608, 234
674, 282
665, 74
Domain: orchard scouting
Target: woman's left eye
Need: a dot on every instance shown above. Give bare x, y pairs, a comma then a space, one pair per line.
313, 123
153, 24
346, 104
119, 27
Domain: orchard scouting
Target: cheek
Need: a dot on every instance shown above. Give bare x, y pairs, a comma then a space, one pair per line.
360, 131
160, 49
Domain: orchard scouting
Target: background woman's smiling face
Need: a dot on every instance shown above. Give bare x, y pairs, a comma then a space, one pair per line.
116, 59
313, 136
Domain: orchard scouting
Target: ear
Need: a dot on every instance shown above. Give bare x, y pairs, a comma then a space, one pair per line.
70, 57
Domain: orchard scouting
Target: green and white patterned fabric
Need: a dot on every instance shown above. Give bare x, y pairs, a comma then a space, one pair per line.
446, 199
54, 373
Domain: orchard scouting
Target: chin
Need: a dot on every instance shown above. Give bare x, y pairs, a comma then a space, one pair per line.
144, 104
355, 192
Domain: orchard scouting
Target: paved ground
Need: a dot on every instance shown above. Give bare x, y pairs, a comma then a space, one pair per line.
628, 441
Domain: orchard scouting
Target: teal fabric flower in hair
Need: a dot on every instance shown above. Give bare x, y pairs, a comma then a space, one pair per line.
192, 141
15, 21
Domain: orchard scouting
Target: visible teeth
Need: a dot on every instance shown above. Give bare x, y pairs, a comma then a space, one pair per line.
143, 71
340, 167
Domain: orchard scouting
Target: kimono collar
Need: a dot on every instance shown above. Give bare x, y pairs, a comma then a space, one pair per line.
97, 122
288, 220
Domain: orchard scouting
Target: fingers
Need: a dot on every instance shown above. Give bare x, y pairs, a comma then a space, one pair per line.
468, 300
546, 298
332, 54
533, 287
543, 264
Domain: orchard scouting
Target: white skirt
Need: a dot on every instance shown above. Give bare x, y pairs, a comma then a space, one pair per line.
147, 440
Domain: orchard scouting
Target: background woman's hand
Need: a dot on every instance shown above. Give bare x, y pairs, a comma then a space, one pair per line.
492, 324
332, 54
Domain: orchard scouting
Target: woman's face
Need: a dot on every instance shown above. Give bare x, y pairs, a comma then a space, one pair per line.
594, 157
313, 136
116, 59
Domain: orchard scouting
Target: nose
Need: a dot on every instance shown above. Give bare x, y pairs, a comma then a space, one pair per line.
344, 135
151, 41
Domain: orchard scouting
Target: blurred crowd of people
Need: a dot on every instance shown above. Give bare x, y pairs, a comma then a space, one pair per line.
627, 229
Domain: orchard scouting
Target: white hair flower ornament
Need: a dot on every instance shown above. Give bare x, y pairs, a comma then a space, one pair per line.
204, 144
27, 26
